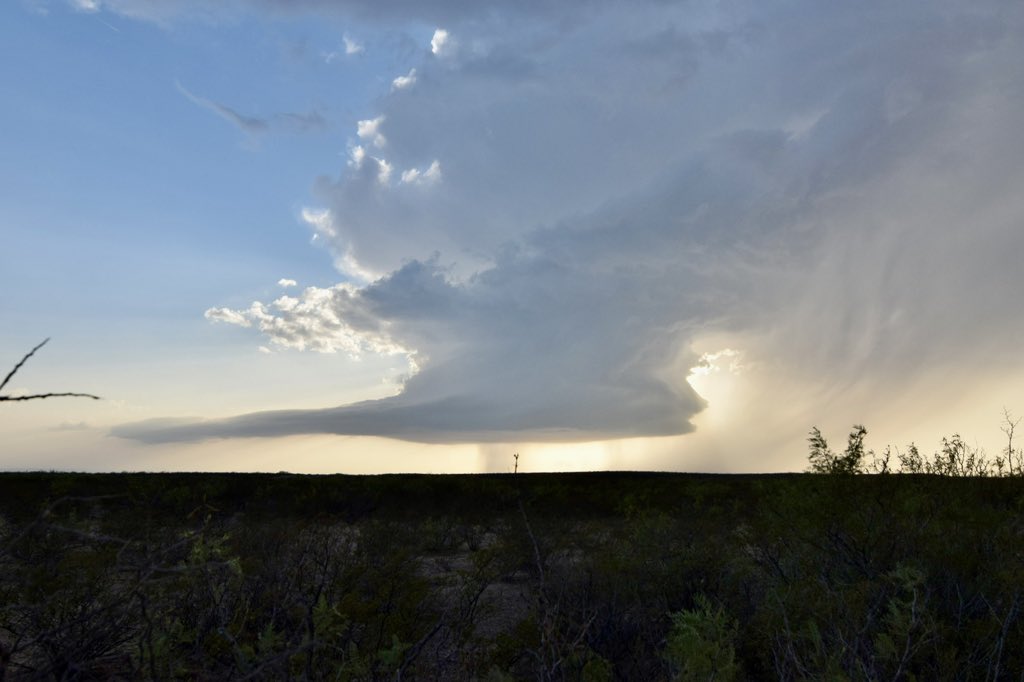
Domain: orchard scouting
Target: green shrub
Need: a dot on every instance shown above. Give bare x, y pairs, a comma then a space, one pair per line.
701, 644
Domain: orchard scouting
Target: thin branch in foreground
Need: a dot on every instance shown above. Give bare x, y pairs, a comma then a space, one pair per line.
22, 362
37, 396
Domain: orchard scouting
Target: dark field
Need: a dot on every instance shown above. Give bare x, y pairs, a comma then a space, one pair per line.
602, 576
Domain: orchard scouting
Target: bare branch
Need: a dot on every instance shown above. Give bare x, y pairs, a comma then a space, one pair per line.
37, 396
23, 361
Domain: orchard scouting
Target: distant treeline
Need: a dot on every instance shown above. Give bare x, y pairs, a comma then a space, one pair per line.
604, 576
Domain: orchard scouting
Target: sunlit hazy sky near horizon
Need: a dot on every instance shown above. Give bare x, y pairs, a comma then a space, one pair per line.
365, 236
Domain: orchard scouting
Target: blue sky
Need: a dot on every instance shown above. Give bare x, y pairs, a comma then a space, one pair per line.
356, 236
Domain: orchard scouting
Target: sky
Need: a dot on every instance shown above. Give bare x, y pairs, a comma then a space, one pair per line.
360, 236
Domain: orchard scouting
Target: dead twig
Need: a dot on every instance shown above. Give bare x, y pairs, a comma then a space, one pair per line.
36, 396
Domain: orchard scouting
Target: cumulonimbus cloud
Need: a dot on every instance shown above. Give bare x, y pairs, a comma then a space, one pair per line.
841, 202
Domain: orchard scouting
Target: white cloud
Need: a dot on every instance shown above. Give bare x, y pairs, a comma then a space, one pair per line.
351, 46
355, 156
329, 56
383, 172
727, 360
441, 43
360, 160
403, 82
369, 129
227, 316
429, 176
283, 282
322, 320
322, 223
86, 5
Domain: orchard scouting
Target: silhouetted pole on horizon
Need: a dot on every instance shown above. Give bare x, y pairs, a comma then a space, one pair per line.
37, 396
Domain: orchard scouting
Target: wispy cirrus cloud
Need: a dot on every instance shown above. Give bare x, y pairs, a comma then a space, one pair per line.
292, 122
